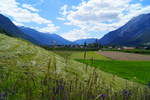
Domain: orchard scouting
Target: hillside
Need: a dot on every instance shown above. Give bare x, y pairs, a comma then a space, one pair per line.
134, 33
27, 71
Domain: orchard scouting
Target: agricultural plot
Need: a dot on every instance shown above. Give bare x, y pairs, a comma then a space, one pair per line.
80, 55
125, 56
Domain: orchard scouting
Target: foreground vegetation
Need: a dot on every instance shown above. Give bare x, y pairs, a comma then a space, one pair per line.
28, 72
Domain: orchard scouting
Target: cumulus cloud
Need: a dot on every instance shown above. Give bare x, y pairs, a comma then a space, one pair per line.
24, 13
101, 15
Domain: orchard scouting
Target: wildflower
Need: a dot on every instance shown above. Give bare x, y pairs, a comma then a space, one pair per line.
148, 84
101, 96
3, 95
126, 93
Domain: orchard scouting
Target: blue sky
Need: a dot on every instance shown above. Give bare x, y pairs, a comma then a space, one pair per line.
73, 19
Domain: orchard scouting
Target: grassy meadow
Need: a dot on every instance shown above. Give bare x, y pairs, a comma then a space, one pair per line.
80, 55
28, 72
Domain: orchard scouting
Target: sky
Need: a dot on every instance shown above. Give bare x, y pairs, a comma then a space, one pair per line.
73, 19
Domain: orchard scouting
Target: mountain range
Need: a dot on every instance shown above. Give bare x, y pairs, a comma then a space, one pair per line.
34, 36
45, 39
136, 32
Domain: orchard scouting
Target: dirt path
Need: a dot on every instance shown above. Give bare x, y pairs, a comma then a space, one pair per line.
125, 56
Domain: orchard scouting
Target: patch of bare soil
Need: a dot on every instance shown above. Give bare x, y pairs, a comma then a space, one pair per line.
125, 56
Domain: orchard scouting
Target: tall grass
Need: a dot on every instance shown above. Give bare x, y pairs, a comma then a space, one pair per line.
25, 84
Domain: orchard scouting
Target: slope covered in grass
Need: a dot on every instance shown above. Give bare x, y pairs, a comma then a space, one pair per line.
28, 72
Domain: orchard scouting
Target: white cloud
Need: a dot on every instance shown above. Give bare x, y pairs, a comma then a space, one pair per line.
101, 15
61, 18
24, 15
63, 12
18, 24
49, 28
29, 7
75, 34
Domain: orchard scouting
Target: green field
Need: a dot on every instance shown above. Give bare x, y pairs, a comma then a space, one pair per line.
80, 55
132, 70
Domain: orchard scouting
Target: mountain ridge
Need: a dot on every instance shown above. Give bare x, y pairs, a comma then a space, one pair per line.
45, 39
10, 29
133, 33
